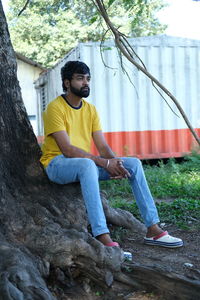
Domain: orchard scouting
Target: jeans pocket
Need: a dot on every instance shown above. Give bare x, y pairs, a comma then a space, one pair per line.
54, 170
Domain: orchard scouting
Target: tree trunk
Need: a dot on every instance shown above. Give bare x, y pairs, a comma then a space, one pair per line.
46, 248
44, 230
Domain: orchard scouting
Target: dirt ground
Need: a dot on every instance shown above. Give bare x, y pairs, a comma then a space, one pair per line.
183, 261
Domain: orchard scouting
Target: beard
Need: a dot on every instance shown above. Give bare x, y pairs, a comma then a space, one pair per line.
82, 92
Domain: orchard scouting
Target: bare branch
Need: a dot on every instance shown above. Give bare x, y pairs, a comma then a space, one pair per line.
131, 51
101, 51
25, 6
119, 37
124, 41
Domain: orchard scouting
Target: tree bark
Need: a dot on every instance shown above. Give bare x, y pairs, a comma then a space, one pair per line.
44, 228
46, 248
170, 285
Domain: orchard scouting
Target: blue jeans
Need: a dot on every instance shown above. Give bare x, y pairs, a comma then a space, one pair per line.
63, 170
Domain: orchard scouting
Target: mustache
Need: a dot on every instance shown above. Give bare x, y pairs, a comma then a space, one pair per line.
85, 88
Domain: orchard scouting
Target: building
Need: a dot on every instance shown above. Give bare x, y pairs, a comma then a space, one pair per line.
136, 120
27, 72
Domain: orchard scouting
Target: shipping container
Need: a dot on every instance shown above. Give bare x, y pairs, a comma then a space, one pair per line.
136, 120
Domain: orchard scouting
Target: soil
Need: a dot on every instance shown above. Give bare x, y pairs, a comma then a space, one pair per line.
184, 260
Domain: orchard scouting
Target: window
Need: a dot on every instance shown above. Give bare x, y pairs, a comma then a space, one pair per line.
43, 97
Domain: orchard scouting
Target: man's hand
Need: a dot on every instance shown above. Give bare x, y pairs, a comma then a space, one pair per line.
116, 169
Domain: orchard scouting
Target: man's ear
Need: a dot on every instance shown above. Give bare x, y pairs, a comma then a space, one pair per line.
66, 83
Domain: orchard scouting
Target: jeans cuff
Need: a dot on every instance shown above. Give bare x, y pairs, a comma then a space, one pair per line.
149, 224
100, 231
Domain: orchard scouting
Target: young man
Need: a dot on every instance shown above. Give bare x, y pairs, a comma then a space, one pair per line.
70, 123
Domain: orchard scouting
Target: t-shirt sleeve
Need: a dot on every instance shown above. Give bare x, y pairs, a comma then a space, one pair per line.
53, 120
96, 125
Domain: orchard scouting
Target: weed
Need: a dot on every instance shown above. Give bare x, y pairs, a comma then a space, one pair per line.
118, 233
179, 181
98, 293
183, 212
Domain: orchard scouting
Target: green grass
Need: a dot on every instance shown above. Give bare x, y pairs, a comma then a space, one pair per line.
183, 212
174, 180
177, 182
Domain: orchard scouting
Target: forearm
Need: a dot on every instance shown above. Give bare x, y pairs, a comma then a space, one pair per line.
72, 151
106, 152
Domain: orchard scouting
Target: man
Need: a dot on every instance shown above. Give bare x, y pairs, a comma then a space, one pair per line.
70, 123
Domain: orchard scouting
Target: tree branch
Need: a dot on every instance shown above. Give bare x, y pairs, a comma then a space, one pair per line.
119, 41
25, 6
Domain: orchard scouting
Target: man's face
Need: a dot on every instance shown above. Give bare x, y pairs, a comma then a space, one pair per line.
79, 85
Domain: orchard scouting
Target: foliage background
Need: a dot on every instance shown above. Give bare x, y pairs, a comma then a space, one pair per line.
174, 186
48, 29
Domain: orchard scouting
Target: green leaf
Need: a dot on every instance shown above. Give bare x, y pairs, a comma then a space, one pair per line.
110, 2
93, 19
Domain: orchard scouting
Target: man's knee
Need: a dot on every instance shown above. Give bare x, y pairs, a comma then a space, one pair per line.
134, 162
133, 165
87, 163
137, 162
87, 168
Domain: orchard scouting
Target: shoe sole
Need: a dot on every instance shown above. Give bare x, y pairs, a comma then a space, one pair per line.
162, 244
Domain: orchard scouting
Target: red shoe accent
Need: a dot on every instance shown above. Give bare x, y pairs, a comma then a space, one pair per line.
160, 235
112, 244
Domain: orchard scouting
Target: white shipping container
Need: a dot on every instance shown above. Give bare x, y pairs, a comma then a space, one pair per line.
135, 118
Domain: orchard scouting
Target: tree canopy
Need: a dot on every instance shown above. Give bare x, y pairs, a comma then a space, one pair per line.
47, 30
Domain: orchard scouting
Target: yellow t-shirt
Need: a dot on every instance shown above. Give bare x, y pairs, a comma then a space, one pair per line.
79, 124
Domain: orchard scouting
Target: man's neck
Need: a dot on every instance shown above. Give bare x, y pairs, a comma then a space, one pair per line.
73, 100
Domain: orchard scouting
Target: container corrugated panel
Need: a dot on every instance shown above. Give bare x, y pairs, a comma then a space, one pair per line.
135, 118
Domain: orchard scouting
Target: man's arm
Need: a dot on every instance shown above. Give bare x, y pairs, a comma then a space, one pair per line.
68, 150
101, 144
115, 166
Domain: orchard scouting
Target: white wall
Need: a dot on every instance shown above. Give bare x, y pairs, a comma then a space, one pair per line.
27, 74
134, 116
126, 106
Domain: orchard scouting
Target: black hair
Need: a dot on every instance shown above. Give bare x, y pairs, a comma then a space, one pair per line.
72, 67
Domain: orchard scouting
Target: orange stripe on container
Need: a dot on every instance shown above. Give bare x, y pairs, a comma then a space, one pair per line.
151, 144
